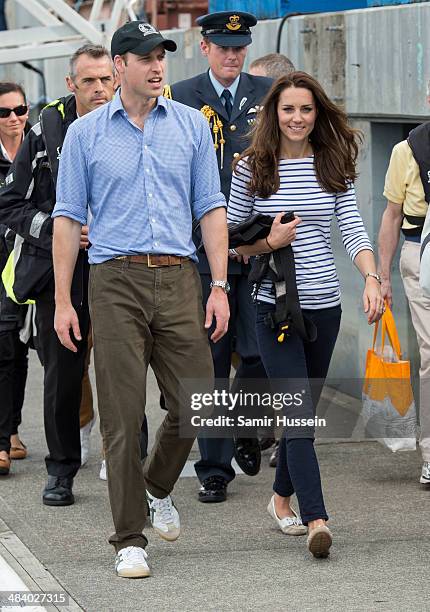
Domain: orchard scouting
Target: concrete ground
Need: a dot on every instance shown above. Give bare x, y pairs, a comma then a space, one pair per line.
229, 556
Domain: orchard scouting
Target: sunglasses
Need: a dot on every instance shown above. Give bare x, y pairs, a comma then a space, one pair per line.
19, 111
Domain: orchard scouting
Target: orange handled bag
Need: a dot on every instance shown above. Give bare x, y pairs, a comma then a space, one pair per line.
388, 403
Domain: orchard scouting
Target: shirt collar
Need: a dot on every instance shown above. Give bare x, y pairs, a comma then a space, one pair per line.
5, 153
220, 88
116, 104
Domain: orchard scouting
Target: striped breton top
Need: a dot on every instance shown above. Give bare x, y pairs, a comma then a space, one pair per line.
299, 192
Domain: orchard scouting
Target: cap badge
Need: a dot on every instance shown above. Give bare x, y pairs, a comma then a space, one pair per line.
147, 28
234, 23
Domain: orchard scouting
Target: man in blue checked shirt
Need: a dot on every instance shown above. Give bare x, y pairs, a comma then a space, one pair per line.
229, 99
145, 167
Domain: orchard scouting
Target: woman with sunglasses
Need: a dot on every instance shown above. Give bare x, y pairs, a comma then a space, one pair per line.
13, 352
302, 160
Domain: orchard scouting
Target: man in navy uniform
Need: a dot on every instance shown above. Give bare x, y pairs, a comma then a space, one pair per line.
229, 98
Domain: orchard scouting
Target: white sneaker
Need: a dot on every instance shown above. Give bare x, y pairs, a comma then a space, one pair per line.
425, 473
164, 517
131, 562
290, 525
85, 432
103, 473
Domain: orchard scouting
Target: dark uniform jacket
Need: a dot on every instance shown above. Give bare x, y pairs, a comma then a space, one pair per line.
28, 197
198, 92
11, 315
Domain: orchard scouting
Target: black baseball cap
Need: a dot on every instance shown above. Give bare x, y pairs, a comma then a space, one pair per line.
228, 28
140, 38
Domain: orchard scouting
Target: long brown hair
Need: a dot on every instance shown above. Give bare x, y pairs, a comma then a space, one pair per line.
334, 142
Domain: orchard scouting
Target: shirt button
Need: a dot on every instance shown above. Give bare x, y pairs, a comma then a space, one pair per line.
236, 154
233, 128
147, 169
155, 243
145, 146
149, 195
153, 220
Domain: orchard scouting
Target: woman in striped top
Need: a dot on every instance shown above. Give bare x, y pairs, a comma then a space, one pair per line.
302, 159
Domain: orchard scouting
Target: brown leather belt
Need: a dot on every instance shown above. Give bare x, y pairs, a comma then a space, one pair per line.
155, 261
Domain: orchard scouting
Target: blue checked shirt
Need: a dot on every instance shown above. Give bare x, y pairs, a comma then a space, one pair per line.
141, 187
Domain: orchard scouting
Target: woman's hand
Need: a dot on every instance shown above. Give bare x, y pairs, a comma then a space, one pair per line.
373, 302
282, 234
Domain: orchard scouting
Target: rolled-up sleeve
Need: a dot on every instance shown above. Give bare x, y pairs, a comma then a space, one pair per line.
206, 186
396, 178
72, 181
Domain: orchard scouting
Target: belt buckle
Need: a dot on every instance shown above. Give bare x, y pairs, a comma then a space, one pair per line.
150, 265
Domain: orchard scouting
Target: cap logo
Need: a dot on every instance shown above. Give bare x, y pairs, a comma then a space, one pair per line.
234, 23
147, 28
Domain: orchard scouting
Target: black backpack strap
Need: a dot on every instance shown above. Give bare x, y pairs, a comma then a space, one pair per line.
418, 221
51, 123
55, 120
419, 142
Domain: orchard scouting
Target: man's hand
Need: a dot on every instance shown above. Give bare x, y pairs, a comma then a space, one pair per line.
217, 306
65, 320
65, 247
388, 241
84, 243
386, 291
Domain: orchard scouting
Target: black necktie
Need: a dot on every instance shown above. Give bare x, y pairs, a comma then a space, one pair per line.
226, 94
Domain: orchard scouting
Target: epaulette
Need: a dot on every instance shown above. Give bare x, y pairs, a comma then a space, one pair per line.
216, 126
214, 121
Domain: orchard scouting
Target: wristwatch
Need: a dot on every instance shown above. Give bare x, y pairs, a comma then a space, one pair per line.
378, 278
225, 285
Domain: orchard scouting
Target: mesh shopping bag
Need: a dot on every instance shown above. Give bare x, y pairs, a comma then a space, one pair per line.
389, 413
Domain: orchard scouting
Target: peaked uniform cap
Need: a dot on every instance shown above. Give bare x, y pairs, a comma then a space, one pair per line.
228, 28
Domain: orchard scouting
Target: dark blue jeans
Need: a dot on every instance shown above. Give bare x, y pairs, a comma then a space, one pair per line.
297, 470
